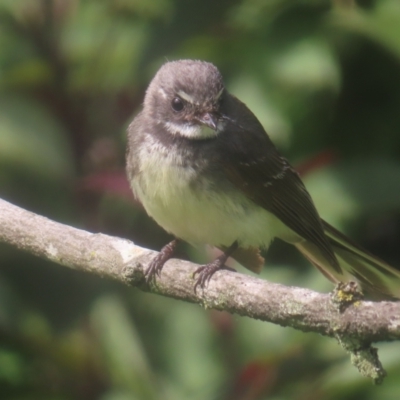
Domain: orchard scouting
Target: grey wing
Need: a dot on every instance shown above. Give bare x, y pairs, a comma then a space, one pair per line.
252, 163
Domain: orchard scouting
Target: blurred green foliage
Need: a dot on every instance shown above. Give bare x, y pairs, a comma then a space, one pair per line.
324, 79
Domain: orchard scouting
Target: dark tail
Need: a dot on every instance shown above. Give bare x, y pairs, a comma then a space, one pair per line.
375, 275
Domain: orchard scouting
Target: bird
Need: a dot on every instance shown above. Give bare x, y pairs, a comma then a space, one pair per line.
206, 171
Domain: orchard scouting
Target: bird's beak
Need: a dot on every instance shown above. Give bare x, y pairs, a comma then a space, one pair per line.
209, 119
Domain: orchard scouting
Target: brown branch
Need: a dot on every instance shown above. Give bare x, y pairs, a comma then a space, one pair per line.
355, 326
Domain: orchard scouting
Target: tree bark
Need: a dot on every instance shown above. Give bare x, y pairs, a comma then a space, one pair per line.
356, 324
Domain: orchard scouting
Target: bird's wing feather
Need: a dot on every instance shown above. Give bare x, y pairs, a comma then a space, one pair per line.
269, 180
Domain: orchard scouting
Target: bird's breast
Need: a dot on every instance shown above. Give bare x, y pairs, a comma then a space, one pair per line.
194, 206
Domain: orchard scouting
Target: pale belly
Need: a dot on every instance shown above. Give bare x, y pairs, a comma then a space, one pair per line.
214, 220
199, 215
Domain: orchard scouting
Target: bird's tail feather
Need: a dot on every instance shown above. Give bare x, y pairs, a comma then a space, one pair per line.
375, 275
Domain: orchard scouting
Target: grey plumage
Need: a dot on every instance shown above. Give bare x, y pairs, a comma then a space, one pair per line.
207, 172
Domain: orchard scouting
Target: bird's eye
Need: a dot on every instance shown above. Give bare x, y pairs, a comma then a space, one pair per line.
177, 104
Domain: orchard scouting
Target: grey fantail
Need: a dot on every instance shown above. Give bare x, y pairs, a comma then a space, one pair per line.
204, 168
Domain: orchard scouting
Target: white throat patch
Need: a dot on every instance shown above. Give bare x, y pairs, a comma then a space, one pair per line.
193, 131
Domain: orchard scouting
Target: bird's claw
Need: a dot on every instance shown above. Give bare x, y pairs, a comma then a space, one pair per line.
154, 269
157, 264
205, 273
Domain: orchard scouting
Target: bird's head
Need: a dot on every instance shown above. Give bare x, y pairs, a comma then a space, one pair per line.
185, 97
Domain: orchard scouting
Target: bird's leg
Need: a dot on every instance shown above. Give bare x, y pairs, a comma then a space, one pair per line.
159, 260
205, 272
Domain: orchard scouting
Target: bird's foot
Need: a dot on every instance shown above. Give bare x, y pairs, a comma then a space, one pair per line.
205, 273
157, 263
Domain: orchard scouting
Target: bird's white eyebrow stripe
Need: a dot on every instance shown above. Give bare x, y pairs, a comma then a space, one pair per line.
186, 97
162, 92
219, 94
190, 99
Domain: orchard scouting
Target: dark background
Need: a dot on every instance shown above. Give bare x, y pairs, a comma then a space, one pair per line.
324, 79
